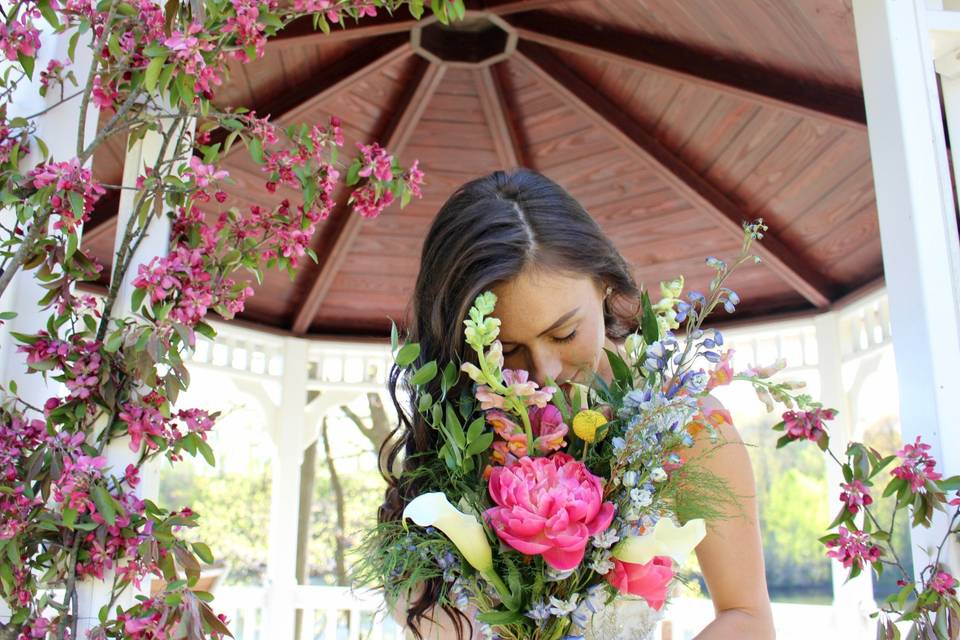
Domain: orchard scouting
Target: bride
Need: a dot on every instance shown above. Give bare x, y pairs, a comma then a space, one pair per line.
564, 293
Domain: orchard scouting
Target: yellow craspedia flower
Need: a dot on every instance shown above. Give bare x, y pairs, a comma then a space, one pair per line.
586, 423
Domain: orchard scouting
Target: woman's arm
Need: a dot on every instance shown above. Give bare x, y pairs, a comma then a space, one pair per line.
731, 555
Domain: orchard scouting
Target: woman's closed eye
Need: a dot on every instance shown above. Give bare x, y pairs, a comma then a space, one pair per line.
567, 338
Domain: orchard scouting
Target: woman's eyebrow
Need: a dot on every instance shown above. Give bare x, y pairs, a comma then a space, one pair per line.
559, 321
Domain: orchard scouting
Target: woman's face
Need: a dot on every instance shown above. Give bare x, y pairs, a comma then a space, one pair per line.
552, 325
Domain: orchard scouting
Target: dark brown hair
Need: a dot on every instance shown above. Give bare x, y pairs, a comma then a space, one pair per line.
487, 232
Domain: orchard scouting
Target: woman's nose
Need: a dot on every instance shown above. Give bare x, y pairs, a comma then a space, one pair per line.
544, 365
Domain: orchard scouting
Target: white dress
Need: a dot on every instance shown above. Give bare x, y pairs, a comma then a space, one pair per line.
626, 618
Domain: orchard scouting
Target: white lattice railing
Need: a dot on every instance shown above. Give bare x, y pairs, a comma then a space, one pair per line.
337, 613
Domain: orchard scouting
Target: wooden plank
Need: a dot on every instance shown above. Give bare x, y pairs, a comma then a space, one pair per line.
399, 131
336, 77
499, 117
739, 78
701, 194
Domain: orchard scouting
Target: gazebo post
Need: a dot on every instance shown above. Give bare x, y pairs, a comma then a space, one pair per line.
93, 594
287, 433
918, 229
58, 128
853, 599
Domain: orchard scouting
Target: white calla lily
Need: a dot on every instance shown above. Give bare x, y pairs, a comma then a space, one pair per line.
666, 539
465, 531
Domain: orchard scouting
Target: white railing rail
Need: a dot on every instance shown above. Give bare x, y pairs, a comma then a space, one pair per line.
340, 613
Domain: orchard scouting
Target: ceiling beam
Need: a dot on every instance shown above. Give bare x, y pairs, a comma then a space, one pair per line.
331, 78
301, 31
347, 224
506, 139
607, 116
742, 79
104, 212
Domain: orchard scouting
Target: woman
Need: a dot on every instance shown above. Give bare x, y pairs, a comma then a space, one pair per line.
564, 293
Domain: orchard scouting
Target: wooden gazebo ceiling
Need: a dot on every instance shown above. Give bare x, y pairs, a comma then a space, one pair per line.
671, 121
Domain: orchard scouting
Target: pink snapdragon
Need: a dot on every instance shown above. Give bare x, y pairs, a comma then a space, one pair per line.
918, 466
855, 495
548, 506
853, 548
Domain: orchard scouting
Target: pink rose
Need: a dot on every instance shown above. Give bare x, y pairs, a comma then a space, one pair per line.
649, 581
549, 507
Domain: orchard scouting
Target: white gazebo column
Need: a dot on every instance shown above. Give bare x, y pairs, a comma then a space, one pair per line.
145, 153
59, 128
918, 229
288, 436
852, 600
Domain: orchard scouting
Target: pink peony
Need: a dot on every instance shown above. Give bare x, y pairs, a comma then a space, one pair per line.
649, 581
549, 507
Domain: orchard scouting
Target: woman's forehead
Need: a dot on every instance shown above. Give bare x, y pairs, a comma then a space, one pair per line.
532, 301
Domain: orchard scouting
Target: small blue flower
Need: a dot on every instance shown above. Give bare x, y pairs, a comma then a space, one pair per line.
712, 356
718, 337
539, 612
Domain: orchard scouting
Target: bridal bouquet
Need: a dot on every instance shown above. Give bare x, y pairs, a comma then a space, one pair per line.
539, 507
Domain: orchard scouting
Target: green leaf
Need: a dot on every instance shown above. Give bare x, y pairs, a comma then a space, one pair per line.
152, 74
69, 517
104, 503
498, 618
648, 324
949, 484
205, 330
559, 400
416, 8
136, 299
476, 428
424, 402
255, 147
621, 372
454, 428
27, 62
206, 452
72, 46
155, 50
48, 13
424, 374
450, 375
394, 337
203, 551
353, 173
407, 354
42, 146
13, 553
480, 444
